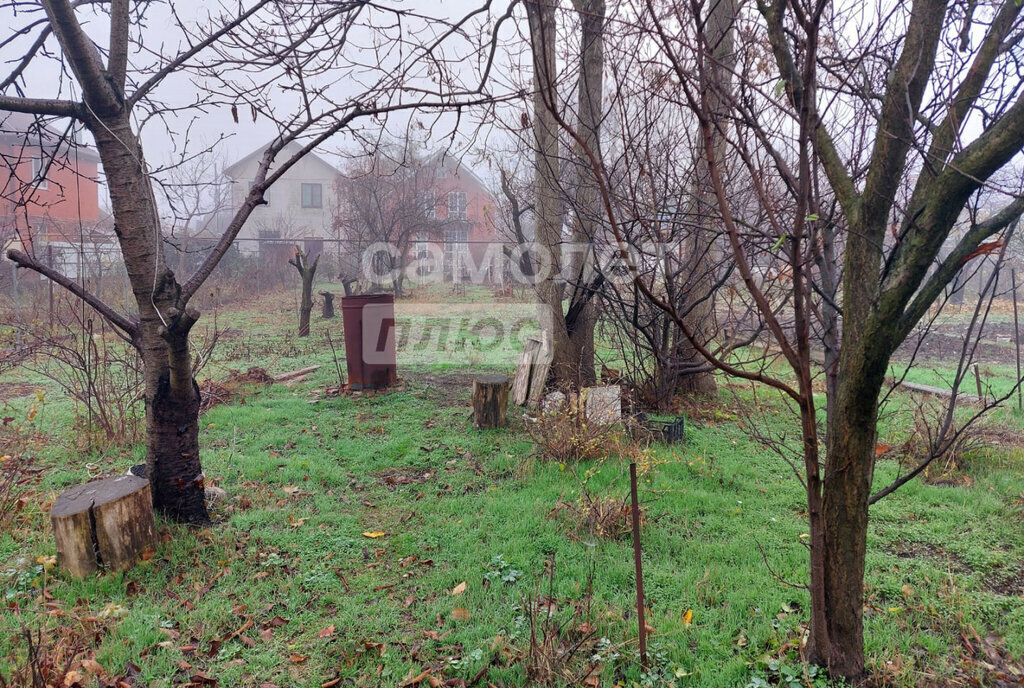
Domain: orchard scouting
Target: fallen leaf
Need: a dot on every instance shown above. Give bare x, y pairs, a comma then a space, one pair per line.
688, 617
459, 589
374, 534
71, 678
460, 614
416, 679
297, 658
92, 666
327, 632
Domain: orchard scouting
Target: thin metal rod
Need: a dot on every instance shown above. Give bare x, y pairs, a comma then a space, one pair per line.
641, 622
1016, 338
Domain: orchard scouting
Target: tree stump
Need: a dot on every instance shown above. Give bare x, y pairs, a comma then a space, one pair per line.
106, 523
328, 304
490, 400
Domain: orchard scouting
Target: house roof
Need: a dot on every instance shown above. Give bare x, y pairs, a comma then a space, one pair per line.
442, 158
21, 129
292, 147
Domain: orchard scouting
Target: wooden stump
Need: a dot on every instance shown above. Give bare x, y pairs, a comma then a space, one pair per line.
490, 400
328, 304
106, 523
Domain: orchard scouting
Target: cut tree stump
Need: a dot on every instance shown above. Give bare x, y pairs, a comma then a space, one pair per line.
103, 524
328, 305
490, 401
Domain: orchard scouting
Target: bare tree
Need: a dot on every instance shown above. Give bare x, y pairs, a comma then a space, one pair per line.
387, 199
307, 273
267, 57
856, 162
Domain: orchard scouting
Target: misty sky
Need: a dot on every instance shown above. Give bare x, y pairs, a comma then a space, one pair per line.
167, 139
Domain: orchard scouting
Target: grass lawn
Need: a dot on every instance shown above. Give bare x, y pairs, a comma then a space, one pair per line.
367, 539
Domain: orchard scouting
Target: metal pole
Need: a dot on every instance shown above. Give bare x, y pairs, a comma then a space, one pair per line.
641, 622
49, 262
977, 379
1016, 338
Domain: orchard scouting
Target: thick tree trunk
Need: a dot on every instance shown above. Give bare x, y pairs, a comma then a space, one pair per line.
171, 394
548, 206
328, 311
589, 219
702, 251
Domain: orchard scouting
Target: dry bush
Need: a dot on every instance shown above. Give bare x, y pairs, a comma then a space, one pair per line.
946, 456
48, 662
600, 516
100, 372
12, 478
562, 433
560, 649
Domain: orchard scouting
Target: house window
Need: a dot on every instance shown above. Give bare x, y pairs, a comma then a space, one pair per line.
38, 174
312, 195
429, 205
457, 205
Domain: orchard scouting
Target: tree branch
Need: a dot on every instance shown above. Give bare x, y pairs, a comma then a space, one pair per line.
119, 28
129, 327
954, 262
83, 57
42, 106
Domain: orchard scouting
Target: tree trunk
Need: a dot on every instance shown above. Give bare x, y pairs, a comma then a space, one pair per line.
851, 438
307, 271
547, 207
171, 394
589, 92
105, 523
702, 253
490, 401
328, 311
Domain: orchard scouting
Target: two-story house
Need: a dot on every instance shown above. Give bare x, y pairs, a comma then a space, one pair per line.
299, 204
460, 210
49, 192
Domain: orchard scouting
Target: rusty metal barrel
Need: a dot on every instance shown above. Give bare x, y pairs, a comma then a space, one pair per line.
369, 321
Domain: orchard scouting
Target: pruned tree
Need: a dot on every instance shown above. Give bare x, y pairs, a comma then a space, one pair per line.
845, 206
307, 273
263, 58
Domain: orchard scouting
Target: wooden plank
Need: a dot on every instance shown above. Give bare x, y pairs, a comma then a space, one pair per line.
521, 383
539, 373
935, 391
295, 373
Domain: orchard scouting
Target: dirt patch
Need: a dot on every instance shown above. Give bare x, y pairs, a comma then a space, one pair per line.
12, 390
905, 549
396, 477
213, 393
1007, 580
446, 388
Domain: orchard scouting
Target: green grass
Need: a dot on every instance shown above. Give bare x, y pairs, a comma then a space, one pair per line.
304, 477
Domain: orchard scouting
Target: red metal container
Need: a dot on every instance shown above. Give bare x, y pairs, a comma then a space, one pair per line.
369, 321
